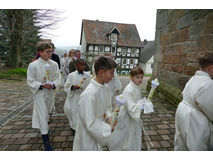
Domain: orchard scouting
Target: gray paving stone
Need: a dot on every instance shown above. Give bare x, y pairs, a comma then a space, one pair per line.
17, 133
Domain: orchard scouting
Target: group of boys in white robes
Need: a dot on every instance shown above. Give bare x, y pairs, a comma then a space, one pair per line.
89, 106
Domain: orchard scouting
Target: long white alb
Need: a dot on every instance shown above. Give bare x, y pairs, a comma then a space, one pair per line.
92, 130
194, 114
71, 106
43, 99
127, 134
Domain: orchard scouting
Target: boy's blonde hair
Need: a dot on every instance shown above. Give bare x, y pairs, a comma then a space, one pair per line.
135, 71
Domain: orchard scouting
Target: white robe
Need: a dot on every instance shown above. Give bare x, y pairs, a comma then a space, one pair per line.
71, 106
64, 74
115, 83
128, 132
92, 131
43, 99
194, 114
66, 66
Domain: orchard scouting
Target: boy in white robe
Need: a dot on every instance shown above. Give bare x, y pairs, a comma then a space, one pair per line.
115, 83
43, 82
194, 115
128, 132
94, 127
74, 88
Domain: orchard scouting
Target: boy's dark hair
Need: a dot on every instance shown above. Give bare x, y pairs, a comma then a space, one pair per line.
206, 60
80, 60
53, 46
135, 71
42, 46
104, 63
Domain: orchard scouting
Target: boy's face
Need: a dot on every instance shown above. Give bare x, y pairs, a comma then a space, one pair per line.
137, 79
46, 54
81, 66
107, 75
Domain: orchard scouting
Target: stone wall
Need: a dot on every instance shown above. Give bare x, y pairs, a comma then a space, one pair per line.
181, 37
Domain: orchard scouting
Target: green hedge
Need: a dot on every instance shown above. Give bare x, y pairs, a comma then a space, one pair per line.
16, 73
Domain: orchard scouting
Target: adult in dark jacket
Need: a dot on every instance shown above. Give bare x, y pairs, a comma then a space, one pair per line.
72, 65
55, 56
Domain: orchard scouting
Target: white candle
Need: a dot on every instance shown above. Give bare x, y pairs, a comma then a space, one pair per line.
154, 85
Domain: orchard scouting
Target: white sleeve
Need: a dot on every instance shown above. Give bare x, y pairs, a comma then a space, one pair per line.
204, 99
57, 76
68, 84
66, 66
96, 127
118, 83
132, 107
31, 79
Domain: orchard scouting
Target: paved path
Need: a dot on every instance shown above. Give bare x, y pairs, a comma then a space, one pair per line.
16, 133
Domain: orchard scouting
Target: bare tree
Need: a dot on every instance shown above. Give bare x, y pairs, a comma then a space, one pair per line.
20, 30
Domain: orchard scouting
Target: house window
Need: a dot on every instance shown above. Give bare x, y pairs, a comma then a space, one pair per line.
131, 61
123, 51
152, 65
107, 49
90, 47
118, 60
128, 54
123, 72
124, 61
96, 48
114, 37
133, 52
101, 49
113, 49
136, 61
129, 50
137, 50
119, 49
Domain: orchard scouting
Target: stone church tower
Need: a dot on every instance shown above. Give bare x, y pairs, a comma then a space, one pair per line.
181, 37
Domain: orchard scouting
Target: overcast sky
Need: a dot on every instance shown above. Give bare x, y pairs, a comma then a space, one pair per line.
142, 13
69, 30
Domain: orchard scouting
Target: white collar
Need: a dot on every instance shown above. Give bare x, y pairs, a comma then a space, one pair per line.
97, 83
43, 61
202, 73
134, 85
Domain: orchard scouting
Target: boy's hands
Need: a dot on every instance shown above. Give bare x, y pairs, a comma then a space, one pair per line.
47, 86
109, 120
76, 87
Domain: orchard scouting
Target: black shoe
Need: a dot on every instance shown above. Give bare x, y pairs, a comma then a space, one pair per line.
46, 143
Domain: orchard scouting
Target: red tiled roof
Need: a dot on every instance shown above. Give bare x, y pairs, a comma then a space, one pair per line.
96, 33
